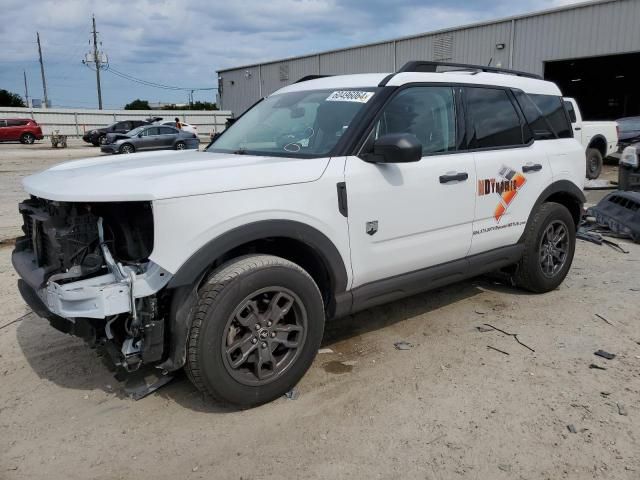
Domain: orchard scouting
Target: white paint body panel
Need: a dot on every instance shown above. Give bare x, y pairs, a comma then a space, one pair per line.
421, 222
584, 131
168, 174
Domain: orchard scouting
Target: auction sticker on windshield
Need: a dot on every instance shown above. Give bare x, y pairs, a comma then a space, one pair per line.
350, 96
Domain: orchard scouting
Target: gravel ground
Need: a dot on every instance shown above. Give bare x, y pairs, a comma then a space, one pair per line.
448, 407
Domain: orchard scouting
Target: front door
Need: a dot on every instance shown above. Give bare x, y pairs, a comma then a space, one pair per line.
405, 217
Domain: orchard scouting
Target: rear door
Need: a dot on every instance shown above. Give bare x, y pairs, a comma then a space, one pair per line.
512, 168
150, 139
168, 136
14, 129
3, 130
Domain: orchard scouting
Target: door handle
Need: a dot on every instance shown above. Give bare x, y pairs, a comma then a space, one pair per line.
532, 168
454, 177
577, 128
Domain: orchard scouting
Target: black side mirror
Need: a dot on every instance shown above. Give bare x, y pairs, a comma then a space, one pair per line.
395, 148
140, 135
216, 136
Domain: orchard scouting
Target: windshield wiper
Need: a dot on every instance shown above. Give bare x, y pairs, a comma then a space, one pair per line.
240, 151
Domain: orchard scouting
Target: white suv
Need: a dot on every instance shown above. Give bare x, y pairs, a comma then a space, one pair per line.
330, 196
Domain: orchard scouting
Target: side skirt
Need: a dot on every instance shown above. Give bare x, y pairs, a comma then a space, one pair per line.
407, 284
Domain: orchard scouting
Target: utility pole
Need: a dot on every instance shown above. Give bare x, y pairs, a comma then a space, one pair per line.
96, 59
44, 81
26, 88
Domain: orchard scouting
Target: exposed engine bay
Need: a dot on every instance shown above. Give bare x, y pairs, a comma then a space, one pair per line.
85, 267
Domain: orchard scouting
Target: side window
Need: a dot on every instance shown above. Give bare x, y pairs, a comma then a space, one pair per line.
427, 112
16, 123
151, 131
538, 123
495, 121
167, 131
3, 123
571, 111
553, 110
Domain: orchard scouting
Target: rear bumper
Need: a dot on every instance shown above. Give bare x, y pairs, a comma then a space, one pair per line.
192, 143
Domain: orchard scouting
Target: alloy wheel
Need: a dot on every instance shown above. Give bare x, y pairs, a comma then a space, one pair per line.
553, 249
264, 336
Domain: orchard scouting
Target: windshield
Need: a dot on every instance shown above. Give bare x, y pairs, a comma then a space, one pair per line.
136, 131
296, 124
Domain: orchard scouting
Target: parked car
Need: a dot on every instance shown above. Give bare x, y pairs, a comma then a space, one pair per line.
600, 139
150, 137
330, 196
24, 130
185, 126
628, 133
98, 136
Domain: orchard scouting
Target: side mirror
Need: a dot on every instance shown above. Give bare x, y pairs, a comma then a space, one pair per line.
396, 148
140, 135
216, 136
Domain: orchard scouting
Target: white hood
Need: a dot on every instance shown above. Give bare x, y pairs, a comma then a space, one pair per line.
167, 174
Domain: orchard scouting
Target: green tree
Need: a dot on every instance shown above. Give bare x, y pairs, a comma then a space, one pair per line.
195, 106
138, 104
10, 99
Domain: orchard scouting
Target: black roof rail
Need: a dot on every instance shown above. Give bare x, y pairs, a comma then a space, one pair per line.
311, 77
430, 66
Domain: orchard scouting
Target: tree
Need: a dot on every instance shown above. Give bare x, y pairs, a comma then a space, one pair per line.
194, 106
10, 99
138, 104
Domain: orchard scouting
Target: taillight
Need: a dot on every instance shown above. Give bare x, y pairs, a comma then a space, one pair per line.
617, 130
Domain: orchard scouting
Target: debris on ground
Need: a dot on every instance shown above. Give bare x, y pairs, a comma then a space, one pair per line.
603, 354
514, 335
497, 349
590, 236
483, 329
293, 394
480, 312
325, 350
603, 319
597, 367
619, 212
599, 184
16, 320
402, 345
621, 409
572, 428
605, 394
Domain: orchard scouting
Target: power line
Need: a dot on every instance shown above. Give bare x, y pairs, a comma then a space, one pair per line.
154, 84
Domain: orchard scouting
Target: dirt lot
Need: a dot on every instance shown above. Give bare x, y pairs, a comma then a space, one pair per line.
448, 407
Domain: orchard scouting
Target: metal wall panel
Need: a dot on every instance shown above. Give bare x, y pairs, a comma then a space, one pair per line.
600, 29
371, 59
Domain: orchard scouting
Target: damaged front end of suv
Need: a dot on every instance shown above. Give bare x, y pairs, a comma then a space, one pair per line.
85, 267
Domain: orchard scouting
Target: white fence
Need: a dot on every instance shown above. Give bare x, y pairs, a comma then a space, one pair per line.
75, 122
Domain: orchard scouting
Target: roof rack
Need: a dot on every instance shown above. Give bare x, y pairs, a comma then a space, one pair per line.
429, 66
311, 77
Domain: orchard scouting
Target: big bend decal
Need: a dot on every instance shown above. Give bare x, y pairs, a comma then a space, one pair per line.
506, 187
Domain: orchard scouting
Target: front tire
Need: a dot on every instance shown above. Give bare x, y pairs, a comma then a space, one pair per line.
28, 138
127, 148
102, 139
255, 330
550, 242
594, 163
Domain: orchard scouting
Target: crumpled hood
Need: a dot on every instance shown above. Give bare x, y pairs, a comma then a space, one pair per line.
167, 174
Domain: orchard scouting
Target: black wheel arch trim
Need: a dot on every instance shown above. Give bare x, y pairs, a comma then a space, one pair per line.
186, 281
601, 138
200, 261
561, 186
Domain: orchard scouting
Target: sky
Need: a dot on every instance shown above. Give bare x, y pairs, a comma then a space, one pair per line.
183, 43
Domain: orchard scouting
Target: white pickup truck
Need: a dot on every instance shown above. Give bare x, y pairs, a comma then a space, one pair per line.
600, 139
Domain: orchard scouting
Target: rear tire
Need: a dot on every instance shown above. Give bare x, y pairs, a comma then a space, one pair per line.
27, 138
549, 245
272, 312
181, 146
127, 148
594, 163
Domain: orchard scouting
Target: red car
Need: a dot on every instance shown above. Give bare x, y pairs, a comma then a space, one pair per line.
24, 129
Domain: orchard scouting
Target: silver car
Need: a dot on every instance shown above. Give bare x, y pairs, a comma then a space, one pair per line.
150, 137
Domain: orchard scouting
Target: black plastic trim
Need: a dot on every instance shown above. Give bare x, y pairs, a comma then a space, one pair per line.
202, 260
343, 206
406, 284
431, 67
385, 80
561, 186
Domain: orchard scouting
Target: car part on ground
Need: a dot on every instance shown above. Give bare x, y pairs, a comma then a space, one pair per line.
629, 169
620, 212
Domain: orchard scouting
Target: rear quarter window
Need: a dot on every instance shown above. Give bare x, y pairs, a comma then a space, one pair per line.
553, 110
